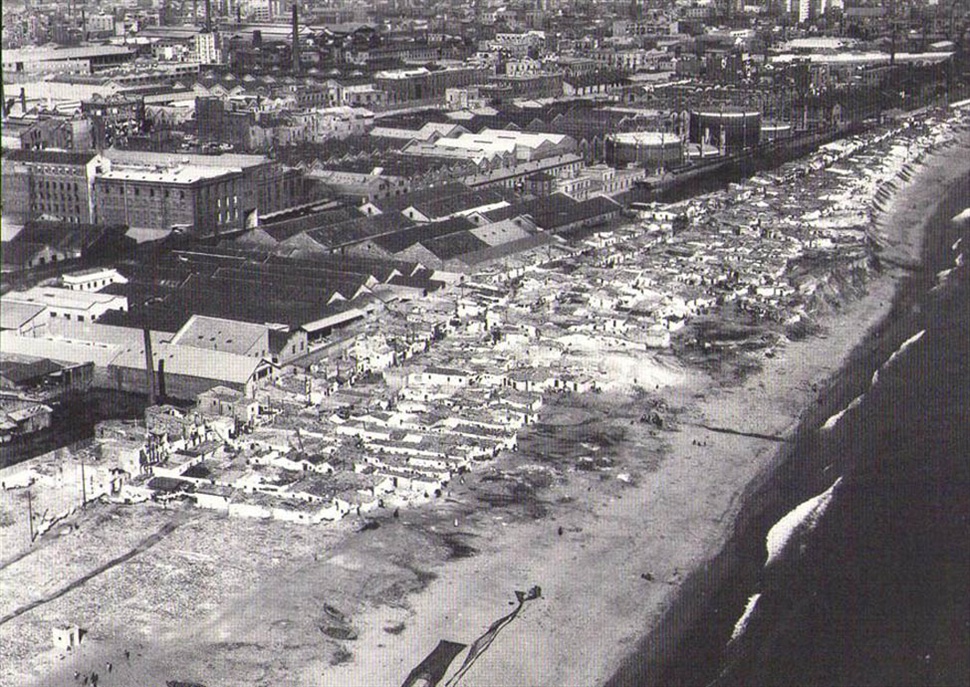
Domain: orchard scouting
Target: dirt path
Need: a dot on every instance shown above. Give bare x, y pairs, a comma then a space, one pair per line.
142, 546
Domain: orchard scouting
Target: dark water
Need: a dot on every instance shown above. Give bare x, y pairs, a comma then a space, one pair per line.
879, 592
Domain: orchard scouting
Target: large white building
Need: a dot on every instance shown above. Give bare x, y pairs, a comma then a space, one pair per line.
205, 48
525, 146
79, 306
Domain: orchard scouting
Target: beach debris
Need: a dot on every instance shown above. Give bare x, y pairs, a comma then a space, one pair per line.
534, 592
336, 625
433, 668
395, 629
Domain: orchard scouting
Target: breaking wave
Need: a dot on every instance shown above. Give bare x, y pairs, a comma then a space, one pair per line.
898, 352
959, 261
742, 623
800, 521
903, 346
834, 420
956, 244
941, 278
962, 216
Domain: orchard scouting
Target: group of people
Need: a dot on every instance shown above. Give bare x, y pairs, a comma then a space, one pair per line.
93, 678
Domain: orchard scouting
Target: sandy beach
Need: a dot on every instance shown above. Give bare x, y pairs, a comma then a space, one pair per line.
596, 602
610, 550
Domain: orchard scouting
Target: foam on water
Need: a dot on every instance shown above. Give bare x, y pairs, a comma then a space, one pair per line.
801, 520
959, 261
898, 352
742, 623
956, 244
962, 216
834, 420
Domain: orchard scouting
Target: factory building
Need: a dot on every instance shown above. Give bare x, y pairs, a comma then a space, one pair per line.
52, 184
200, 200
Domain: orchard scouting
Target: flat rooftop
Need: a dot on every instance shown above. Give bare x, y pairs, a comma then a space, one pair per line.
61, 54
188, 174
149, 159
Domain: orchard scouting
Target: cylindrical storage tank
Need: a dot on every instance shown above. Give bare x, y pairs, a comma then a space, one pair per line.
730, 130
645, 149
775, 131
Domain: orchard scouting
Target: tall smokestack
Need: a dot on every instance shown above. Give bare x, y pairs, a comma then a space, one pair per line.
149, 366
296, 39
208, 16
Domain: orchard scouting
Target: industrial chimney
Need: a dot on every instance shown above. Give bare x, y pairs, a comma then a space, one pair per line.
208, 16
149, 366
296, 39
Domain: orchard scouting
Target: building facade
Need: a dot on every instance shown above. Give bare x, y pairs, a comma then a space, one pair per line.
53, 184
201, 201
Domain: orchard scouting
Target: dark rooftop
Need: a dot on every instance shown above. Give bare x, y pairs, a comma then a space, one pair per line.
51, 157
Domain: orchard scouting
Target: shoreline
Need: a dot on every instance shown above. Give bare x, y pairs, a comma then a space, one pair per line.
908, 244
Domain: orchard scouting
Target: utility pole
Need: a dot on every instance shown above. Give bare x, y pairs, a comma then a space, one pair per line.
30, 515
84, 486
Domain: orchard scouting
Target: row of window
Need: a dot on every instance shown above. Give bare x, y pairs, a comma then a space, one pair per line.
91, 285
43, 206
67, 316
65, 171
55, 193
136, 191
58, 185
